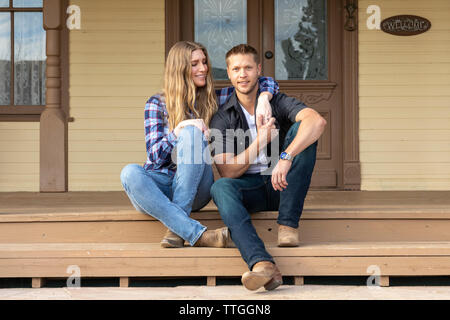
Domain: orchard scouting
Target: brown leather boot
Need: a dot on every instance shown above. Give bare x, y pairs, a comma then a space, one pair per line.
214, 238
287, 236
264, 273
172, 240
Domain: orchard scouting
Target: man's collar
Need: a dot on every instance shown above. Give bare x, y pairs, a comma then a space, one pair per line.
234, 102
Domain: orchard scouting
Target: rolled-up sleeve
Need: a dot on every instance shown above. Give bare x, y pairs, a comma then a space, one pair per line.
266, 84
158, 140
288, 107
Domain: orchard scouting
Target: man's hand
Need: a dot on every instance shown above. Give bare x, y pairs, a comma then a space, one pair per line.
279, 174
266, 131
199, 123
263, 107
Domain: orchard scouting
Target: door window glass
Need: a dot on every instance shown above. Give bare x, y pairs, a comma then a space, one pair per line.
219, 26
29, 59
27, 3
5, 58
301, 40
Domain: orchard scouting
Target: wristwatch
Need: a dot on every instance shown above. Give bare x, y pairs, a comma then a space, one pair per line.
285, 156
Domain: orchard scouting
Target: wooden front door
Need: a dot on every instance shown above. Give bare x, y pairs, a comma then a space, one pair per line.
300, 44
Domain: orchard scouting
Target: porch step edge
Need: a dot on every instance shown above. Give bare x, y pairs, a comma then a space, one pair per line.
137, 250
308, 214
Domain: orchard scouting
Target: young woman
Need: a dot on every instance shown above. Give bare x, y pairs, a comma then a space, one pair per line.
177, 177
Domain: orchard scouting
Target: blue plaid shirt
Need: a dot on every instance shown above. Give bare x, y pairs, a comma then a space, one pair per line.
160, 141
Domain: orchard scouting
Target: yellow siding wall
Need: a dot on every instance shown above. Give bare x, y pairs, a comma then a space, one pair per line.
116, 63
19, 156
404, 88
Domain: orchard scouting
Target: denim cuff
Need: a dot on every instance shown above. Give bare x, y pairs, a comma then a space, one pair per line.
193, 241
259, 259
288, 223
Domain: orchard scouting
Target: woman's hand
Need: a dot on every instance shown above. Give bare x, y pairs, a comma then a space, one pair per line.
263, 107
199, 123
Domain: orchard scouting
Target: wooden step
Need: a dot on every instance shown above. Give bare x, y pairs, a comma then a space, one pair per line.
337, 216
315, 226
342, 233
150, 260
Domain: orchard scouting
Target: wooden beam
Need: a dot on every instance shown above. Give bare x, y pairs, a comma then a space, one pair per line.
299, 281
53, 121
384, 281
211, 281
124, 282
112, 265
37, 282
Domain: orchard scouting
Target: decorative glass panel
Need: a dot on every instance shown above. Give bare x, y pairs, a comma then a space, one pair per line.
301, 40
29, 59
5, 58
219, 26
27, 3
4, 3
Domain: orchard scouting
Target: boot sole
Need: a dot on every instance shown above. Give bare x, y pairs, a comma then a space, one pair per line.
273, 284
288, 244
166, 243
252, 281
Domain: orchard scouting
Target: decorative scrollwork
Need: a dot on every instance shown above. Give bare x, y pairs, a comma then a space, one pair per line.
309, 93
351, 22
312, 98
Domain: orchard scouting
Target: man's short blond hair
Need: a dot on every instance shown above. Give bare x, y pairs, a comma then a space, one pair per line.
243, 49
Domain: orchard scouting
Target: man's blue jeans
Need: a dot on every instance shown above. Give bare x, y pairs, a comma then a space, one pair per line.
235, 198
171, 200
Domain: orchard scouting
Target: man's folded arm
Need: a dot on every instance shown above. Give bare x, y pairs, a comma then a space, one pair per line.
311, 128
231, 166
227, 163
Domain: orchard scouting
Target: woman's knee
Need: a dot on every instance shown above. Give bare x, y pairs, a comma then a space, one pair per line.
192, 146
190, 133
129, 173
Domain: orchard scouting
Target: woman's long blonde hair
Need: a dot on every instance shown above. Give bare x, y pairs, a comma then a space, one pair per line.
181, 95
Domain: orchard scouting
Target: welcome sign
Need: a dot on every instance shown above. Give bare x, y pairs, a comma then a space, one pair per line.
405, 25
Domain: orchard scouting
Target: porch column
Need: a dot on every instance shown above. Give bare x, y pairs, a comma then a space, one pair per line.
53, 123
352, 165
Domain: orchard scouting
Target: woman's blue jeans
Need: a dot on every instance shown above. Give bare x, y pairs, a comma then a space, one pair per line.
235, 198
171, 199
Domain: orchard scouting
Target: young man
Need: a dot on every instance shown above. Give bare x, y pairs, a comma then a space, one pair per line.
244, 186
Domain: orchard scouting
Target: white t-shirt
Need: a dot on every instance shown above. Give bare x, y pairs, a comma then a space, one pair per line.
261, 162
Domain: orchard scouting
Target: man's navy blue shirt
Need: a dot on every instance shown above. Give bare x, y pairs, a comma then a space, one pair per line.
231, 117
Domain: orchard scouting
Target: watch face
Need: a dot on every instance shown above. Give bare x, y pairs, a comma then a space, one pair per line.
285, 156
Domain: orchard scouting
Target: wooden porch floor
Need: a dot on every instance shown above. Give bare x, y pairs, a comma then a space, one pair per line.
342, 233
117, 201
